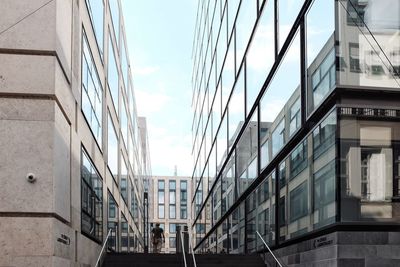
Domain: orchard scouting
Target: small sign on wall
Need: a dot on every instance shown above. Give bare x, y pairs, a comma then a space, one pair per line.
64, 239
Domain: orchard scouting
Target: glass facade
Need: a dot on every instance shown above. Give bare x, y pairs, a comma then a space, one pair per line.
285, 153
112, 74
91, 199
96, 13
92, 92
120, 144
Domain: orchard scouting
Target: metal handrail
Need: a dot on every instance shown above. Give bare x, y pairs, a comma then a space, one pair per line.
183, 248
191, 247
262, 239
103, 247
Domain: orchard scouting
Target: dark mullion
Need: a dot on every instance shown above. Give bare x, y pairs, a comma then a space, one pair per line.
303, 69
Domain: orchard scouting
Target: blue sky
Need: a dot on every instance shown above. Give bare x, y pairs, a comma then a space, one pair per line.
159, 36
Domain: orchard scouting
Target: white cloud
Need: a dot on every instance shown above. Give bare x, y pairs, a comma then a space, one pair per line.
169, 149
149, 102
142, 71
271, 109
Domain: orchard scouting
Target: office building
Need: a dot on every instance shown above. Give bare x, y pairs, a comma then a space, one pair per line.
74, 157
296, 129
169, 205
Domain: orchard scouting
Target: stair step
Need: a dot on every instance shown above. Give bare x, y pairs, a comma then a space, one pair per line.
174, 260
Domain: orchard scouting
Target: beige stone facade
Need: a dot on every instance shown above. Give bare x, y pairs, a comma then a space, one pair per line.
44, 131
168, 222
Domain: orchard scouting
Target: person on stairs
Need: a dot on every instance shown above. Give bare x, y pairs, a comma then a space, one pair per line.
157, 237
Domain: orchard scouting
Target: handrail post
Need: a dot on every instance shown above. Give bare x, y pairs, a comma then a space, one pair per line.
270, 251
183, 248
191, 248
102, 249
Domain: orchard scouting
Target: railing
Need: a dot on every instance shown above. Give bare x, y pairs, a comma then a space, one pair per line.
270, 251
183, 248
102, 249
191, 251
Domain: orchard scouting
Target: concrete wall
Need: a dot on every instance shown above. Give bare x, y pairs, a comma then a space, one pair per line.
342, 249
42, 131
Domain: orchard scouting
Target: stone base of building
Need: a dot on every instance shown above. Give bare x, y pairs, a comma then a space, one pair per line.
43, 241
342, 249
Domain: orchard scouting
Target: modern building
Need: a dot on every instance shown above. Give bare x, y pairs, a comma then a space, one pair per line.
169, 205
74, 155
296, 130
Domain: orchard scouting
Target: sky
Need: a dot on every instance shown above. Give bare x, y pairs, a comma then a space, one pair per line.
160, 36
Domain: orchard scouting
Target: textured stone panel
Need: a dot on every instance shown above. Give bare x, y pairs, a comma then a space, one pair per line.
25, 74
36, 30
26, 147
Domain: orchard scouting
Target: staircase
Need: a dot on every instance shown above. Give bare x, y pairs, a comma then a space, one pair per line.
175, 260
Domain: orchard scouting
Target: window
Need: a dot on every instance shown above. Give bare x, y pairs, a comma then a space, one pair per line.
161, 211
92, 199
200, 228
172, 199
324, 135
112, 149
124, 234
92, 92
264, 154
322, 80
183, 201
172, 228
161, 199
96, 14
295, 117
299, 202
172, 242
282, 212
112, 223
172, 211
183, 212
124, 123
354, 57
124, 65
278, 137
298, 159
132, 206
112, 74
124, 181
161, 185
114, 8
282, 174
263, 191
324, 195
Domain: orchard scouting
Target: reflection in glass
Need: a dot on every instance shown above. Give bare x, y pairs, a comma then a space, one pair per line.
279, 96
91, 199
222, 143
114, 8
124, 180
236, 109
369, 43
288, 11
112, 149
124, 122
246, 155
244, 26
96, 13
112, 224
124, 234
92, 93
369, 155
124, 65
260, 55
112, 74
